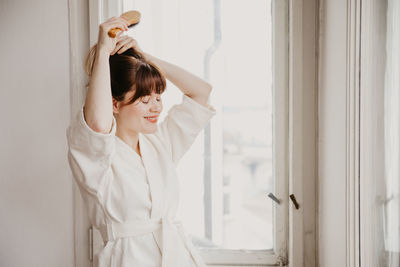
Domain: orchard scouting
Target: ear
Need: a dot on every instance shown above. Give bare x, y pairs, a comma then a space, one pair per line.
116, 106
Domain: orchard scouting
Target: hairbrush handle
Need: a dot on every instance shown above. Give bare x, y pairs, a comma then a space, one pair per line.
133, 18
113, 32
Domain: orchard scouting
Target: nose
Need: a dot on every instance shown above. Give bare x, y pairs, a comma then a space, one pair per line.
156, 106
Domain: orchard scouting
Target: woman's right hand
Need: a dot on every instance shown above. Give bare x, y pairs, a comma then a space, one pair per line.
105, 42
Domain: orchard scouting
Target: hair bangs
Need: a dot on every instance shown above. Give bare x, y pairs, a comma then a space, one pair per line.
149, 79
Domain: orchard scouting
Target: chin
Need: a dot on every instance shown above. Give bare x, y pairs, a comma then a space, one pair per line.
150, 130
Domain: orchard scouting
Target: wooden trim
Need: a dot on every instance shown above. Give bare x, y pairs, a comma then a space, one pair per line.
241, 258
296, 248
339, 118
303, 131
280, 11
352, 131
79, 44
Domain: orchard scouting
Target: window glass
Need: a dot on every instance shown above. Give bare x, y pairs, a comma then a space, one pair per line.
380, 135
227, 174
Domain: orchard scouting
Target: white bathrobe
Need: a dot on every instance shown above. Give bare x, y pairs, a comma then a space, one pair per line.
133, 200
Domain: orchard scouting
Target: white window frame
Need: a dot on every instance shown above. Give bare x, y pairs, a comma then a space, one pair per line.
295, 234
339, 128
303, 131
350, 144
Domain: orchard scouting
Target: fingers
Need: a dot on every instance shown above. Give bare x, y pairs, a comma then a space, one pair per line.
105, 41
123, 44
115, 22
120, 21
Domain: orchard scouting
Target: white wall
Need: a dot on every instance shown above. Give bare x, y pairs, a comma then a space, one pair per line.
36, 227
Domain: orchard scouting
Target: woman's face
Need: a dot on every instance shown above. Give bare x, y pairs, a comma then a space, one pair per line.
140, 116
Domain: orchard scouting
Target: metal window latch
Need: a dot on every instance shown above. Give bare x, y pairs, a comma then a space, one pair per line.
293, 198
274, 198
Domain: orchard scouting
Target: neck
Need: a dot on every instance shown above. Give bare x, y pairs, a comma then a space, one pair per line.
129, 137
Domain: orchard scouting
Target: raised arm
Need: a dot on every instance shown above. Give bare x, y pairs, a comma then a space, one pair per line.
98, 108
191, 85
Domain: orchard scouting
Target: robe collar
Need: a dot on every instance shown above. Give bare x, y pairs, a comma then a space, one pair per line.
154, 178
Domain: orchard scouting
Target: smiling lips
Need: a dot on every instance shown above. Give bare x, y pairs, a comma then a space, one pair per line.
152, 119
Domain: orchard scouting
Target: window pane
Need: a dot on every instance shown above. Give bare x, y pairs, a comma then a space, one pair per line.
388, 209
224, 185
380, 147
389, 201
241, 215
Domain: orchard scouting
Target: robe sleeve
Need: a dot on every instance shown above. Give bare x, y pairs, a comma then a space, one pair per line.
182, 124
90, 154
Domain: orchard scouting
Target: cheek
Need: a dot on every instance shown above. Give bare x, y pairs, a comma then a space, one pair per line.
133, 113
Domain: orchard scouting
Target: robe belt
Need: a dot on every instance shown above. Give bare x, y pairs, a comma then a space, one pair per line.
170, 255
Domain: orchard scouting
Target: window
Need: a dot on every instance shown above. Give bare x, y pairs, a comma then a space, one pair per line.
241, 48
380, 136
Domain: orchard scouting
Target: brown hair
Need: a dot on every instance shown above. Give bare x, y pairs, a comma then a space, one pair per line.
130, 71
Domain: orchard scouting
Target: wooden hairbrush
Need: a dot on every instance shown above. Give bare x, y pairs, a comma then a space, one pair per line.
133, 17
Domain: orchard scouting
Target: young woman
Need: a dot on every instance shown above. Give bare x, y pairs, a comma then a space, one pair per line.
124, 162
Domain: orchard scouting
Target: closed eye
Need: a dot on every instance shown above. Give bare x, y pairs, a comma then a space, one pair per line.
146, 102
148, 99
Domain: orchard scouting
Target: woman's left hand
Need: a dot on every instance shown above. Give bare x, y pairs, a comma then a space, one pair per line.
124, 43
